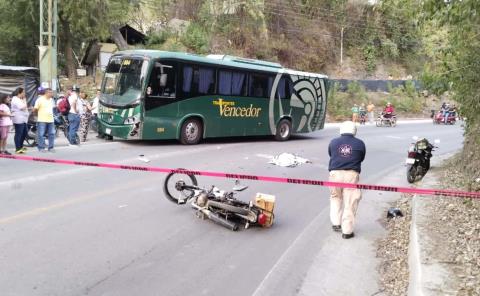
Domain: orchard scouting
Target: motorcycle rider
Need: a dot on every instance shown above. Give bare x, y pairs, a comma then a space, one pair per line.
388, 111
445, 112
346, 155
362, 111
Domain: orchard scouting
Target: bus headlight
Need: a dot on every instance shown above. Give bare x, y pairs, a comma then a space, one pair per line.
132, 119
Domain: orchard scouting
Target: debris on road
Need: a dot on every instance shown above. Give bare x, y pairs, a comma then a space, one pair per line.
394, 213
288, 160
143, 158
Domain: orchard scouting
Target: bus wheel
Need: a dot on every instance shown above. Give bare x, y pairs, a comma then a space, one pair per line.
191, 132
284, 130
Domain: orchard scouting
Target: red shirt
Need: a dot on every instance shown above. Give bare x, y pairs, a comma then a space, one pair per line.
389, 109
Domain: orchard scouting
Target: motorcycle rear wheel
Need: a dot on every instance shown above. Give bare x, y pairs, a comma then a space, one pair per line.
411, 173
174, 195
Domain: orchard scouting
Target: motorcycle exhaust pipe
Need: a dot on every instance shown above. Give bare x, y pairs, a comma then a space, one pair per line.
216, 218
219, 220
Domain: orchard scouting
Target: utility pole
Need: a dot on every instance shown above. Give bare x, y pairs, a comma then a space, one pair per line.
48, 43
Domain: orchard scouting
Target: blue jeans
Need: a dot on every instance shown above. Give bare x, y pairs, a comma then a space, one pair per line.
20, 134
445, 116
73, 124
43, 127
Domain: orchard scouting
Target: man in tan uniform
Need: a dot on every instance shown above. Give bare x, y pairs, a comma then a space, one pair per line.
346, 155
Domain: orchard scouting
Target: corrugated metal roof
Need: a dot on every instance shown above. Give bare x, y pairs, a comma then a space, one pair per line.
17, 68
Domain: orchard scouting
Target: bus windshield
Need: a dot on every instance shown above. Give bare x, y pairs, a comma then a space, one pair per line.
123, 81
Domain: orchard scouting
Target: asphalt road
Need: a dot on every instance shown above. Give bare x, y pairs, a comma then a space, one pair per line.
69, 230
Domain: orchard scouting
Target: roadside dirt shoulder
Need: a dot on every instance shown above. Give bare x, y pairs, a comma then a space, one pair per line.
448, 237
452, 226
392, 250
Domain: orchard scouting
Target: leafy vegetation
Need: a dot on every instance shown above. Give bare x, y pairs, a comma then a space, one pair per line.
300, 34
454, 66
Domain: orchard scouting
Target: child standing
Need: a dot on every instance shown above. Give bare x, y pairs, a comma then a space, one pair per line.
5, 122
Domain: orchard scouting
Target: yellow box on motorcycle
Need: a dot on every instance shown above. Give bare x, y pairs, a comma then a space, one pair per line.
266, 202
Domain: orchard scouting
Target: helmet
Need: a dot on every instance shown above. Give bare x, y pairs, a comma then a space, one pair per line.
75, 88
394, 213
389, 104
41, 90
348, 127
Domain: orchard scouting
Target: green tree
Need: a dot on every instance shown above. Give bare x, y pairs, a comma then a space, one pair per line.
19, 31
458, 60
457, 64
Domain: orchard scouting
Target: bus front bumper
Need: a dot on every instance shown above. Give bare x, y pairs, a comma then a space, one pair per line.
126, 131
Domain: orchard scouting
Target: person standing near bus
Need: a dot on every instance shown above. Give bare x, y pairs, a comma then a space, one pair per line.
95, 110
44, 108
346, 156
20, 119
76, 108
85, 116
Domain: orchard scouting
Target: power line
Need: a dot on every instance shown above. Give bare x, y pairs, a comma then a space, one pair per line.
293, 30
299, 17
358, 21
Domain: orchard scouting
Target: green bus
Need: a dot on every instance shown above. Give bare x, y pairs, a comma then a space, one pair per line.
151, 95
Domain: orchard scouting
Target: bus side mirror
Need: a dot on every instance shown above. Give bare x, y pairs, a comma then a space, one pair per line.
163, 80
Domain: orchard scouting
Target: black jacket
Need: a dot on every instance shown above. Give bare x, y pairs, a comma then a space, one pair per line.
346, 153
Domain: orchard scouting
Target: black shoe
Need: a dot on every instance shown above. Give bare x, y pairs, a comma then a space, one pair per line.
347, 236
337, 228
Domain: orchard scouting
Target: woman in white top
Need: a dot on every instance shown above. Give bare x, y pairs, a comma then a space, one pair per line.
20, 117
5, 122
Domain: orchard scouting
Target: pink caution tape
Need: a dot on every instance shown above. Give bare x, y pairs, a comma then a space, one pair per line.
453, 193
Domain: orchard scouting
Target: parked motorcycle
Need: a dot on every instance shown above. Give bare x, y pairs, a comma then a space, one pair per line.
390, 121
61, 125
418, 159
438, 118
217, 205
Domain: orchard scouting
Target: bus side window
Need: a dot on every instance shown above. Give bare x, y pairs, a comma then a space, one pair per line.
260, 85
206, 81
187, 79
231, 83
162, 81
285, 88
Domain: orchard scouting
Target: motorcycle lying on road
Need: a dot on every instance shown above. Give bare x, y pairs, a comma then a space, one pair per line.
217, 205
418, 159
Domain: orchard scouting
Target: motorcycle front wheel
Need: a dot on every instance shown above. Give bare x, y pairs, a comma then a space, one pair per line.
411, 173
30, 142
172, 193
